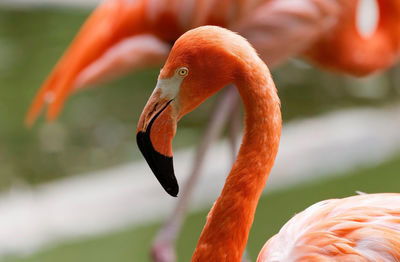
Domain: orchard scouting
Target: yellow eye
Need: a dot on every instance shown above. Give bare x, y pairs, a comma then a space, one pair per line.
183, 71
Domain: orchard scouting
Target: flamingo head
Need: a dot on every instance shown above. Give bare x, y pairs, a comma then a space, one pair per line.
201, 62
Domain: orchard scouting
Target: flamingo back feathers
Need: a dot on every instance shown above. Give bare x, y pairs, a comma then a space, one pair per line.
275, 26
358, 228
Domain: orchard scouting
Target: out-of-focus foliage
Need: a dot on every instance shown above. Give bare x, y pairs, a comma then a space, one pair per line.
272, 212
97, 127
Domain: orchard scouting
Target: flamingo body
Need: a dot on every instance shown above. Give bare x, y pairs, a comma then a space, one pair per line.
359, 228
343, 48
126, 35
121, 36
202, 61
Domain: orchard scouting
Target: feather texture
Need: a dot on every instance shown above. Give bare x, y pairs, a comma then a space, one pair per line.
359, 228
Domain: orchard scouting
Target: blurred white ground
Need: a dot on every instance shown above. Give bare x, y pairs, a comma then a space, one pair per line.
89, 204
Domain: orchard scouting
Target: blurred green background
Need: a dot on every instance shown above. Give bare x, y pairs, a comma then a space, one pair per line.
97, 130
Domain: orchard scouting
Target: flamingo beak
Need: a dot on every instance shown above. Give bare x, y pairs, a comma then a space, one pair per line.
156, 129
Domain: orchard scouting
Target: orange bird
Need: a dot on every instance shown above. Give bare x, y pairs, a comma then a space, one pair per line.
203, 61
127, 35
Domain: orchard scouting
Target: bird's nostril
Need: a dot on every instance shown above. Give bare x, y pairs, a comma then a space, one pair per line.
154, 109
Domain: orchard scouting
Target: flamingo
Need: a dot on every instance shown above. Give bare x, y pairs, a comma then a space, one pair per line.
203, 61
121, 36
125, 35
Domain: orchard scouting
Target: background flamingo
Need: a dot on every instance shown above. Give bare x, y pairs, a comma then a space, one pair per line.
136, 36
202, 61
121, 36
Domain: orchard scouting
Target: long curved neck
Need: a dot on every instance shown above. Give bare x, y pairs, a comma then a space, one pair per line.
225, 234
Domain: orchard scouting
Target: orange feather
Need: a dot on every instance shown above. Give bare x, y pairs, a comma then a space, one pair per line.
345, 49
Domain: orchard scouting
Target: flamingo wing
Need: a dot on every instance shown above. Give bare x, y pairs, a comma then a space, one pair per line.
359, 228
281, 29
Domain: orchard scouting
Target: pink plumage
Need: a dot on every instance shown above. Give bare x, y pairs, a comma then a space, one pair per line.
359, 228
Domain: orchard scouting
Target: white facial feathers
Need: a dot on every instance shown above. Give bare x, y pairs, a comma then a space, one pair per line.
170, 86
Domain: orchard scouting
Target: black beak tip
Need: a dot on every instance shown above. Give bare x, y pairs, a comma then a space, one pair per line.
161, 165
173, 191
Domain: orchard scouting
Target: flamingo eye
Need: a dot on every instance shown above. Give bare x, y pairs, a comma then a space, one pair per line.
183, 71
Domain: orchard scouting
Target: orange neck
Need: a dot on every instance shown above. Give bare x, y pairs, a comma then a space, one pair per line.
225, 234
345, 49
